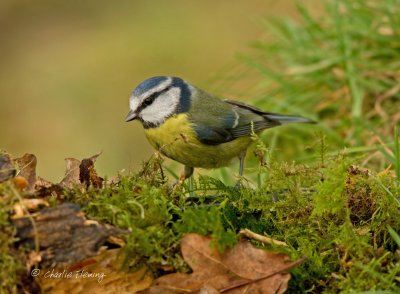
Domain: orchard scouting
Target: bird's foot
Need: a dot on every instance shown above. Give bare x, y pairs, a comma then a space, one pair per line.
178, 184
238, 184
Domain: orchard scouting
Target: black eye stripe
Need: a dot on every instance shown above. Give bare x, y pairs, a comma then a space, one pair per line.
165, 90
149, 100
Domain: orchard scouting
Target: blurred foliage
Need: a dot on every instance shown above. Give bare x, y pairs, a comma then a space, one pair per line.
68, 68
340, 67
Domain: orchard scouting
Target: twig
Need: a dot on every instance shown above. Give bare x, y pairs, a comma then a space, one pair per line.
262, 239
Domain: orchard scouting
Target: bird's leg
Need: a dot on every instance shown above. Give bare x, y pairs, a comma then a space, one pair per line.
242, 155
186, 173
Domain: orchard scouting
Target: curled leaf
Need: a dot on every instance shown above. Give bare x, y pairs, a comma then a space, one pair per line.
7, 170
71, 177
87, 173
81, 172
27, 169
241, 269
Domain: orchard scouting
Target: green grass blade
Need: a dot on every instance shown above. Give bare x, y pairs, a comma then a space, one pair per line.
394, 235
387, 155
397, 154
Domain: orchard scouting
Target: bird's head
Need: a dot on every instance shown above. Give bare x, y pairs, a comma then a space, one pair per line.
156, 99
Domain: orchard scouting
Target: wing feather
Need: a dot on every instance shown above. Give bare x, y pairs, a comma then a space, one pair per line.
247, 129
237, 120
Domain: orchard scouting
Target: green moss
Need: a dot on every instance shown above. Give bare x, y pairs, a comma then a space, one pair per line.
338, 219
11, 267
336, 215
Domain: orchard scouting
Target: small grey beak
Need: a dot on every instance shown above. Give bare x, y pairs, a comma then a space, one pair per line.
131, 116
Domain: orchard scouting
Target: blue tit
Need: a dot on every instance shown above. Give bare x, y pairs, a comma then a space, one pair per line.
195, 128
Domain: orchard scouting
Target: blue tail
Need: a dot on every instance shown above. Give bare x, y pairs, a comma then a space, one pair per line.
288, 119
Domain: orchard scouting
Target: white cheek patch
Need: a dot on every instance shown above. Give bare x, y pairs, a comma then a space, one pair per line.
162, 108
133, 103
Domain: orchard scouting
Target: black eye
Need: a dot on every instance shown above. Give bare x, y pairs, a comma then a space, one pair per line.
149, 100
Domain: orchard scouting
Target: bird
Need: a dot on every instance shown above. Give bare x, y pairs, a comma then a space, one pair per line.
195, 128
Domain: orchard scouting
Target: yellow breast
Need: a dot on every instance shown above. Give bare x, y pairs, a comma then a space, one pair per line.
176, 139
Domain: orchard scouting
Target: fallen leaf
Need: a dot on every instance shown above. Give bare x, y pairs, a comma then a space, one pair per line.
81, 172
28, 181
82, 264
87, 173
27, 169
7, 170
101, 274
42, 183
241, 269
71, 177
52, 190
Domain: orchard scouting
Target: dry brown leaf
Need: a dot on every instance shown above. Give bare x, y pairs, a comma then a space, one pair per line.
52, 190
77, 173
81, 172
27, 169
7, 170
101, 274
28, 180
71, 177
87, 173
42, 183
240, 269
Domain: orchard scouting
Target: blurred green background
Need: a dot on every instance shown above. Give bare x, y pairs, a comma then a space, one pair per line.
68, 67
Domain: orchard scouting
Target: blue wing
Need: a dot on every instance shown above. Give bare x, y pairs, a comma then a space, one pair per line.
219, 121
227, 122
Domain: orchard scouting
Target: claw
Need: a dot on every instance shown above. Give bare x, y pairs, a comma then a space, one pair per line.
238, 184
187, 173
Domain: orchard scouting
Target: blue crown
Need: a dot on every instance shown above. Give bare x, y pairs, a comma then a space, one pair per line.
148, 84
